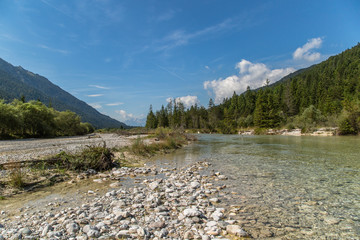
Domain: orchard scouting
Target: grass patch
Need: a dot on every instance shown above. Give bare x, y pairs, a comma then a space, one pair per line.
92, 157
167, 140
17, 178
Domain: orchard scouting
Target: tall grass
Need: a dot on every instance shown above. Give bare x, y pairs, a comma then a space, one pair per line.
17, 177
92, 157
168, 139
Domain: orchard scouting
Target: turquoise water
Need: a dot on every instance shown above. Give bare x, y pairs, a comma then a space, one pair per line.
287, 187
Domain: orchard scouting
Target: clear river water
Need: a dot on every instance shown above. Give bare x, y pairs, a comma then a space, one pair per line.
286, 187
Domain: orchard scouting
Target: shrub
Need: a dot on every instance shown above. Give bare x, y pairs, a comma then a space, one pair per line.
162, 133
345, 127
92, 157
140, 148
260, 131
16, 178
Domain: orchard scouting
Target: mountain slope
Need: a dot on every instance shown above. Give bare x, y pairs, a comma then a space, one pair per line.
325, 94
16, 82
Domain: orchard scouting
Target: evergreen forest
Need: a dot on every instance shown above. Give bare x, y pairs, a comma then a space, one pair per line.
323, 95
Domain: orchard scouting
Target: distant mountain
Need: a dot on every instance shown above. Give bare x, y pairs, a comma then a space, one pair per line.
16, 82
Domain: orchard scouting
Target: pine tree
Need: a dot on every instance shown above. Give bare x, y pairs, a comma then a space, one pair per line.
151, 121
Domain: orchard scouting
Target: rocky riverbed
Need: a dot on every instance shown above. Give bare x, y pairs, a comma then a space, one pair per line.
160, 203
26, 149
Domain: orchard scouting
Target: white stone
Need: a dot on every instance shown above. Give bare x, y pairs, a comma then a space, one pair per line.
72, 227
191, 212
195, 184
153, 185
236, 230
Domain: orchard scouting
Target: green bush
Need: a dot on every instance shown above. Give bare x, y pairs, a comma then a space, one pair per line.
16, 178
34, 119
346, 128
162, 133
260, 131
140, 148
92, 157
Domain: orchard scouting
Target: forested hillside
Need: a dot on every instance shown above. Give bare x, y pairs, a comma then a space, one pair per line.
16, 82
326, 94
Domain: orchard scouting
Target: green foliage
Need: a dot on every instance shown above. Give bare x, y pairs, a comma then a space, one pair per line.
349, 122
33, 119
18, 83
16, 178
162, 133
140, 148
259, 131
169, 140
345, 127
320, 95
92, 157
151, 121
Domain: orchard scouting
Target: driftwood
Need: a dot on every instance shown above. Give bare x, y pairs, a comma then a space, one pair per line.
17, 164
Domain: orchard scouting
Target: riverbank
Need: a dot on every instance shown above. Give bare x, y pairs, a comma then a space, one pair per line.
291, 132
159, 203
28, 149
98, 152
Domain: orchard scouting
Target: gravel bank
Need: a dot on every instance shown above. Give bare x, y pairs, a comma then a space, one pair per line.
21, 150
161, 204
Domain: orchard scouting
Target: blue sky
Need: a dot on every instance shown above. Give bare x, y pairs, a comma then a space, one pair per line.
122, 56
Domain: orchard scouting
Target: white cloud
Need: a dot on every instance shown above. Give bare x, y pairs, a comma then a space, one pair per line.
98, 86
95, 105
188, 101
305, 52
250, 74
95, 95
124, 115
130, 118
207, 67
65, 52
114, 104
180, 37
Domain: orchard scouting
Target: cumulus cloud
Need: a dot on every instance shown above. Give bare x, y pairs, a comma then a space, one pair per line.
305, 52
250, 74
124, 115
188, 101
130, 118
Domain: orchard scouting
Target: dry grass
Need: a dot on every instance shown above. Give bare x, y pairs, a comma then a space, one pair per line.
17, 177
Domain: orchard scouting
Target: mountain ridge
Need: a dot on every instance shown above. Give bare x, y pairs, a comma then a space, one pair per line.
16, 82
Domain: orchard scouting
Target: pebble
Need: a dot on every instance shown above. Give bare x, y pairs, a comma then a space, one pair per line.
175, 206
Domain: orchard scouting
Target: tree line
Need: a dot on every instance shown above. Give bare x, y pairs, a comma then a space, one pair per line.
20, 119
325, 95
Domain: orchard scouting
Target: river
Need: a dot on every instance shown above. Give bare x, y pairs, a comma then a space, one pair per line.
286, 186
